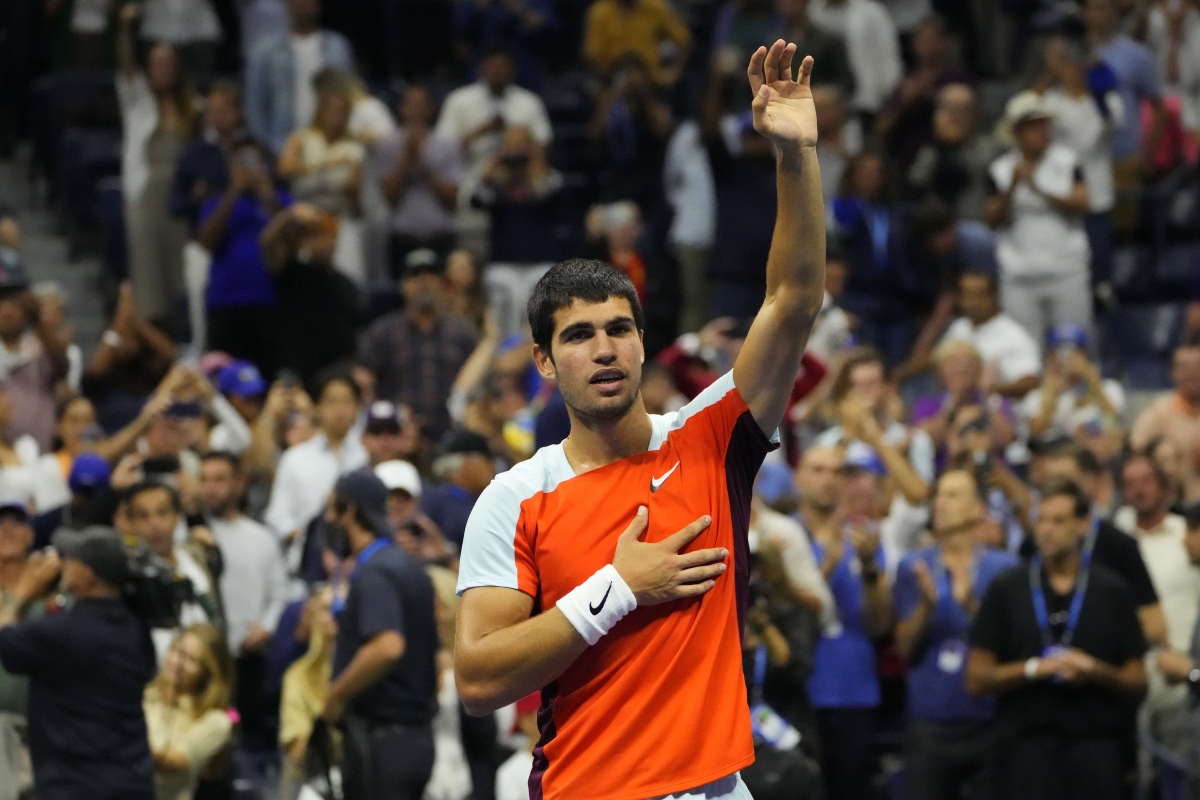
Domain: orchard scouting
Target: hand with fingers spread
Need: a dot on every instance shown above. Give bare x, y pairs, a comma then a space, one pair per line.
657, 572
783, 108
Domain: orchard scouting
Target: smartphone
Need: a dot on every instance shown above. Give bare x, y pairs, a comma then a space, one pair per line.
161, 465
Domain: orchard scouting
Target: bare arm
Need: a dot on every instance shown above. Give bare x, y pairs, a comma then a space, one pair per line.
370, 663
1154, 624
770, 360
126, 60
1018, 388
986, 675
1075, 202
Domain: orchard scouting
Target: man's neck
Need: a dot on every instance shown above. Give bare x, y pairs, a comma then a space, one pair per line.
360, 539
1192, 403
229, 513
1062, 569
12, 341
334, 439
303, 29
425, 319
595, 443
958, 543
820, 520
10, 573
981, 322
1150, 520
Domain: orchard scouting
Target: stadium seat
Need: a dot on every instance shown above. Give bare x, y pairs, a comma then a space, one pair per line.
1140, 339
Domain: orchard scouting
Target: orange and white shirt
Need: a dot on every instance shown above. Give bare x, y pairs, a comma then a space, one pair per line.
658, 705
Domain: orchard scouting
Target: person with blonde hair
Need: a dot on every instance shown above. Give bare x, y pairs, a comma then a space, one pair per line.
304, 687
187, 710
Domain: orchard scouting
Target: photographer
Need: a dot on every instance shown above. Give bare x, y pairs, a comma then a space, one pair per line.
88, 667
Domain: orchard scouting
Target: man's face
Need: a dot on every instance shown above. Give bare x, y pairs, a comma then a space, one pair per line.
1185, 371
16, 536
960, 372
76, 576
862, 497
152, 518
929, 43
248, 407
223, 114
818, 478
416, 108
384, 446
497, 71
1058, 530
977, 298
1033, 137
956, 503
1100, 16
337, 409
597, 358
13, 319
476, 473
402, 506
423, 291
219, 486
866, 380
1061, 467
1141, 487
162, 68
304, 13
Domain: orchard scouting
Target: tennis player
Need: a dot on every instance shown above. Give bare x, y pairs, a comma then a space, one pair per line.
611, 571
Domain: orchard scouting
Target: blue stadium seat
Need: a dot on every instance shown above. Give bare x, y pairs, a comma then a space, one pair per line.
110, 211
1140, 340
1133, 274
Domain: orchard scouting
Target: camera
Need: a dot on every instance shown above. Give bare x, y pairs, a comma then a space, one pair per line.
154, 592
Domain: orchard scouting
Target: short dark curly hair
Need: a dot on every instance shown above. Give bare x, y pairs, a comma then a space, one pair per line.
577, 279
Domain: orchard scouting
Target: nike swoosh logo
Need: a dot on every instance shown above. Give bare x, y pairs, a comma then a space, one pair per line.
656, 483
597, 609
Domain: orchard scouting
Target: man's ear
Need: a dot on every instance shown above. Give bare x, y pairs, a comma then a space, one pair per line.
545, 363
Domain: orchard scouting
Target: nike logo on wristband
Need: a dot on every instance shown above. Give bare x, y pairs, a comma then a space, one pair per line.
656, 483
597, 609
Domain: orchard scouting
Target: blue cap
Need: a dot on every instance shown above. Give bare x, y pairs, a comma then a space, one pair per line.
774, 482
1068, 333
89, 473
11, 504
866, 460
369, 494
241, 378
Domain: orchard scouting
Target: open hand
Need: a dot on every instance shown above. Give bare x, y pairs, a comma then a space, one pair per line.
657, 572
929, 590
783, 108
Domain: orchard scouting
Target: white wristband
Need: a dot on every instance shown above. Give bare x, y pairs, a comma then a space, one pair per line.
596, 605
1031, 668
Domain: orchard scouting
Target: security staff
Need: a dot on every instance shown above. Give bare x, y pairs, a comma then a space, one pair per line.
88, 667
385, 675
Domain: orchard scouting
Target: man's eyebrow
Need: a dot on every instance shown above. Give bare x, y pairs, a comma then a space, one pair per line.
587, 326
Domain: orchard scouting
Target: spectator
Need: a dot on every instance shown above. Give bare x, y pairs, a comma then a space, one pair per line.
415, 354
844, 687
1173, 35
1086, 123
522, 27
240, 299
906, 121
464, 468
389, 434
88, 501
303, 697
1079, 465
1067, 683
522, 194
16, 544
465, 295
319, 308
253, 584
384, 666
950, 739
1037, 207
840, 140
280, 97
153, 511
831, 334
370, 118
647, 29
1179, 667
242, 388
1007, 349
688, 181
871, 44
1072, 394
324, 166
960, 377
403, 483
87, 668
632, 124
308, 471
187, 714
32, 360
22, 477
420, 171
1137, 81
476, 115
615, 231
952, 165
158, 115
192, 28
202, 171
1172, 417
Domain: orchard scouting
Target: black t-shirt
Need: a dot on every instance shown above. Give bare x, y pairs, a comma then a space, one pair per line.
317, 317
88, 667
392, 592
1108, 630
1119, 552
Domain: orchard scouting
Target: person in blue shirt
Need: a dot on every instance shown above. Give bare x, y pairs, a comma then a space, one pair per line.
466, 466
844, 686
937, 589
202, 171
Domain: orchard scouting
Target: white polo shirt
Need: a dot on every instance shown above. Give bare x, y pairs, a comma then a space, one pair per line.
1002, 342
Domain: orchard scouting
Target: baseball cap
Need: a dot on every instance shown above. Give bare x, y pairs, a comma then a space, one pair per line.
89, 472
422, 261
383, 417
241, 378
1024, 107
1068, 333
368, 494
399, 475
465, 442
864, 460
98, 547
12, 270
12, 504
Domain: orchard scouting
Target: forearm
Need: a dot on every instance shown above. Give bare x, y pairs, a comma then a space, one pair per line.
446, 193
1075, 203
260, 457
1129, 680
778, 650
796, 264
126, 62
370, 663
910, 632
877, 606
910, 484
212, 230
501, 667
121, 442
1018, 388
156, 341
995, 678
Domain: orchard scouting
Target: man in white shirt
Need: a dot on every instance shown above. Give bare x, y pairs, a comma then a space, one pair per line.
253, 582
1007, 349
871, 44
476, 115
804, 574
308, 471
1037, 210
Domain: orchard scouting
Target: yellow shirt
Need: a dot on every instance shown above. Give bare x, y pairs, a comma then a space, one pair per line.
615, 28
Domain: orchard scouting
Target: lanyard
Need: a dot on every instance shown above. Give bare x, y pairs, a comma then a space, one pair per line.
878, 222
367, 553
760, 673
1081, 585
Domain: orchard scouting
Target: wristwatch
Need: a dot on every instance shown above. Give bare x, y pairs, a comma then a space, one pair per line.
1031, 668
111, 338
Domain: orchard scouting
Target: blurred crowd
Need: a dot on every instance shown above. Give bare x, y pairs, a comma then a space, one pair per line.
975, 554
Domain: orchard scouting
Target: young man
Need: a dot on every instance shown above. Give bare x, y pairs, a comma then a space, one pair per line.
1069, 673
654, 704
938, 589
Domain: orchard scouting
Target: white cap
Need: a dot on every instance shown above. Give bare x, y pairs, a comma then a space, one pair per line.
399, 475
1025, 107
